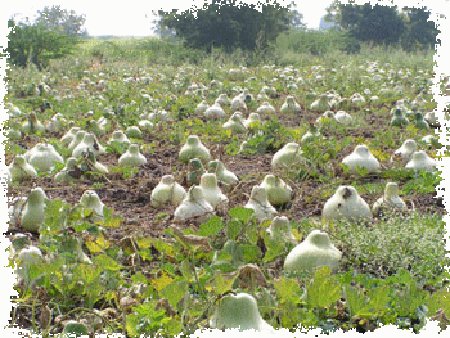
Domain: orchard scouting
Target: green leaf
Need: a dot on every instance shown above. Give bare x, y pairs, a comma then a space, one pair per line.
324, 290
288, 290
212, 227
105, 262
250, 252
174, 292
233, 229
241, 214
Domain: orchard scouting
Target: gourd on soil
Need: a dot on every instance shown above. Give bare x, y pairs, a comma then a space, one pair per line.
19, 170
290, 154
238, 311
290, 106
404, 153
132, 157
361, 157
262, 208
280, 229
212, 193
90, 200
43, 157
194, 148
278, 192
167, 192
235, 124
421, 161
390, 200
193, 206
315, 251
346, 203
33, 213
223, 175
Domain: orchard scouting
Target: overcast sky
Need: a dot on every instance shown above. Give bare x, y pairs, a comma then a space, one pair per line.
132, 17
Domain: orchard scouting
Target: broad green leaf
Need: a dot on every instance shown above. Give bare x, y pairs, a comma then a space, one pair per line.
233, 229
212, 227
324, 290
105, 262
241, 214
161, 282
174, 292
250, 252
288, 290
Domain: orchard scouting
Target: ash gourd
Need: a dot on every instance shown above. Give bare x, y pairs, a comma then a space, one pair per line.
133, 132
405, 152
33, 213
390, 200
223, 100
361, 157
290, 106
239, 311
19, 170
70, 135
265, 108
90, 200
214, 112
64, 175
79, 136
346, 203
43, 157
289, 155
223, 175
421, 161
235, 124
253, 120
132, 157
193, 205
201, 107
212, 193
280, 229
167, 192
343, 117
119, 137
89, 142
322, 104
262, 208
27, 258
315, 251
278, 192
194, 148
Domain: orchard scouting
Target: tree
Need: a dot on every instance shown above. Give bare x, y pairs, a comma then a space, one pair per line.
55, 18
384, 24
418, 30
224, 24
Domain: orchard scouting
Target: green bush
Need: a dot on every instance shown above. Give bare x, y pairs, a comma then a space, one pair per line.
37, 44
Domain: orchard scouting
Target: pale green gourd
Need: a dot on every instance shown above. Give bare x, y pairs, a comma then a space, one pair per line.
315, 251
19, 170
33, 213
194, 148
132, 157
90, 200
278, 192
193, 205
167, 192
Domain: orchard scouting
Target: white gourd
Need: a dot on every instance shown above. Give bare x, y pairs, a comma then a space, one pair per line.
239, 311
63, 175
265, 108
223, 175
27, 258
194, 148
167, 192
119, 137
253, 120
315, 251
280, 229
133, 132
390, 200
361, 157
79, 136
43, 157
33, 213
278, 192
89, 142
346, 203
287, 156
290, 106
132, 157
211, 191
343, 117
90, 200
19, 170
421, 161
193, 205
322, 104
262, 208
202, 107
70, 135
405, 152
235, 124
223, 100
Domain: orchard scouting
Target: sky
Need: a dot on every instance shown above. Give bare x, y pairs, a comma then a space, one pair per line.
132, 17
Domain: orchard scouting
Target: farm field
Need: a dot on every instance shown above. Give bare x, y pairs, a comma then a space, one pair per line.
139, 254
